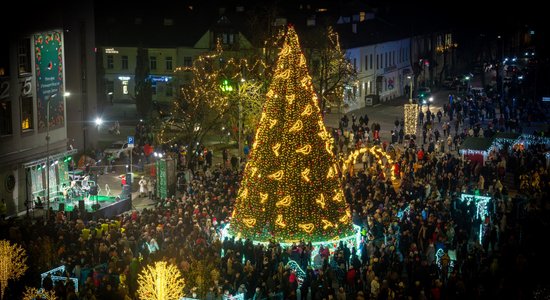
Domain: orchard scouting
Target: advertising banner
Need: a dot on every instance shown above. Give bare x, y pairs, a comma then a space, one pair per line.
48, 59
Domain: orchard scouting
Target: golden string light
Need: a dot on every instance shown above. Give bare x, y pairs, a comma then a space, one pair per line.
297, 126
250, 222
301, 176
307, 111
327, 224
284, 202
411, 118
307, 227
280, 221
276, 149
160, 281
263, 197
13, 263
304, 150
277, 175
321, 200
305, 175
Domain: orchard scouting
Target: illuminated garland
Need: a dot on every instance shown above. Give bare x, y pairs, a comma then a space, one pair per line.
376, 151
301, 198
411, 118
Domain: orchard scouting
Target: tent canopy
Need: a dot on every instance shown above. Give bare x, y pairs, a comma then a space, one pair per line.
476, 143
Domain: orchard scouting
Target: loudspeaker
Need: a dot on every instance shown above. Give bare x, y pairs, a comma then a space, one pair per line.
81, 205
61, 206
93, 190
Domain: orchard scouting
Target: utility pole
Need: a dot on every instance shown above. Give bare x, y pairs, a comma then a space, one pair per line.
48, 155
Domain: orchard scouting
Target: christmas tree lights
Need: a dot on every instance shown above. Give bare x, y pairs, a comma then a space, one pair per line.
411, 118
290, 189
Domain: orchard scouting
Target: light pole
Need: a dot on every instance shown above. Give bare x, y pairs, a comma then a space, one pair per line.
410, 89
48, 155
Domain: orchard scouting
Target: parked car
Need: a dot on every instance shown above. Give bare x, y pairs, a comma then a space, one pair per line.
117, 149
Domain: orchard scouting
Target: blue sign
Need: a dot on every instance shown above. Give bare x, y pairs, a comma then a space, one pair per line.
130, 140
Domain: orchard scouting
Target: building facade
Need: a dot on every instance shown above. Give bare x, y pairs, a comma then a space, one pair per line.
40, 65
382, 71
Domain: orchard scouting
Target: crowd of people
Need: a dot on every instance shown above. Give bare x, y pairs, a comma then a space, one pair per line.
419, 239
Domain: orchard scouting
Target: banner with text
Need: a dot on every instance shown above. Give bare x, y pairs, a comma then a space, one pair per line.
48, 56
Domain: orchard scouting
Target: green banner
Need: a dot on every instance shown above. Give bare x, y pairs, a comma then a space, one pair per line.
48, 56
162, 184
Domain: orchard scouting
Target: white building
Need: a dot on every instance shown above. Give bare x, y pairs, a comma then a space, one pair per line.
381, 70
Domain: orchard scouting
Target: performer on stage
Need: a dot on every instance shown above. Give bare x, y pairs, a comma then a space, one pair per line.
66, 192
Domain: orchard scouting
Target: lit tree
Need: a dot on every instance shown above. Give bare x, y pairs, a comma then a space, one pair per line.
333, 70
201, 105
13, 263
291, 189
160, 282
210, 95
34, 293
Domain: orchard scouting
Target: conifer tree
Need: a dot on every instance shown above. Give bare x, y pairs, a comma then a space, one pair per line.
291, 189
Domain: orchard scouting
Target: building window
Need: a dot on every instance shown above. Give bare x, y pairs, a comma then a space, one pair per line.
125, 87
393, 57
110, 62
366, 63
169, 91
26, 113
153, 62
386, 60
187, 61
228, 38
355, 64
23, 56
154, 89
377, 59
370, 61
26, 103
124, 62
168, 62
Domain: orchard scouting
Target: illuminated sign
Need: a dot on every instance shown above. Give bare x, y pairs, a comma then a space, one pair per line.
123, 77
160, 78
111, 51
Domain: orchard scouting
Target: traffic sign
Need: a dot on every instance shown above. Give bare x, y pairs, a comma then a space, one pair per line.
130, 141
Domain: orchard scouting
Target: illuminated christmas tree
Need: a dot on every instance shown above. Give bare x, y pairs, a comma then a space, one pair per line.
291, 189
13, 263
161, 281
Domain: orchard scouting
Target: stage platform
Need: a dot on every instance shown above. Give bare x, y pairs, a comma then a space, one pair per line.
109, 206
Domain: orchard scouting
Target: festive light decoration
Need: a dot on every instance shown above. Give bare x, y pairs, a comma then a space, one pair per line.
34, 293
305, 149
276, 149
305, 174
162, 281
297, 184
379, 155
211, 90
482, 210
13, 263
411, 118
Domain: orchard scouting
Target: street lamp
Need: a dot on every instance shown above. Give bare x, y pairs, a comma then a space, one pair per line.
48, 155
411, 89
